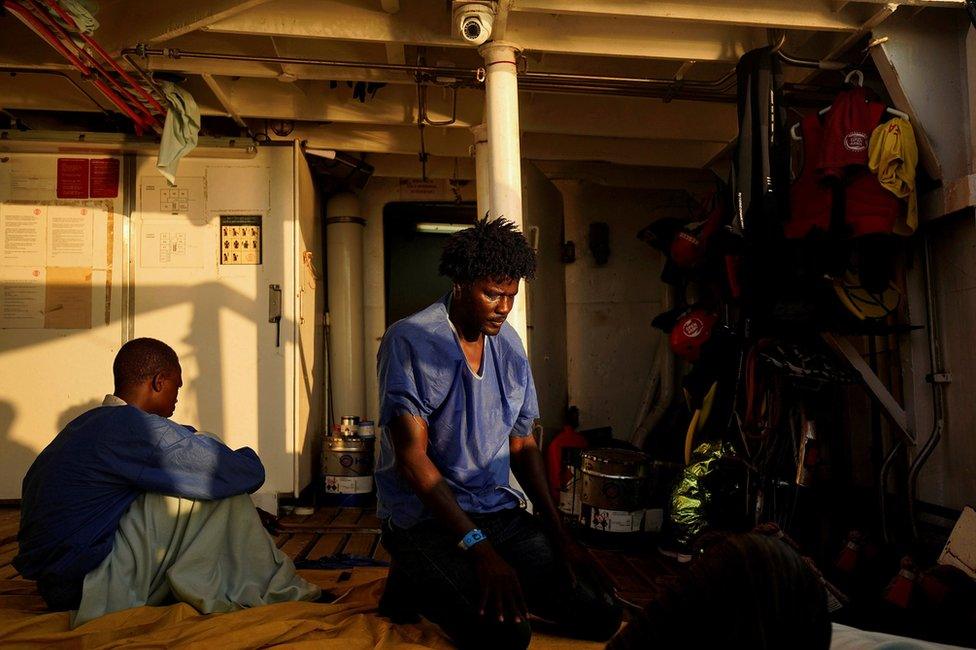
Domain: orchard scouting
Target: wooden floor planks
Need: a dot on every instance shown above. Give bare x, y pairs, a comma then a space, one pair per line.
327, 532
356, 531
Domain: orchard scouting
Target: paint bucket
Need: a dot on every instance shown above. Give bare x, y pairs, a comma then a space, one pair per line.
347, 468
614, 493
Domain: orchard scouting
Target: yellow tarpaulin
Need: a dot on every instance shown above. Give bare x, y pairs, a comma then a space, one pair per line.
350, 623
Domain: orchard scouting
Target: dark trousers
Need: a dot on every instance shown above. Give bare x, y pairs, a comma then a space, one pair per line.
430, 573
59, 594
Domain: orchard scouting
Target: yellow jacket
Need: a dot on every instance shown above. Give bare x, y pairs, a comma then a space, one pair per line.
892, 155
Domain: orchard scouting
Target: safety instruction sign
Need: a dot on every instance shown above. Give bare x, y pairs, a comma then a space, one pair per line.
240, 239
81, 178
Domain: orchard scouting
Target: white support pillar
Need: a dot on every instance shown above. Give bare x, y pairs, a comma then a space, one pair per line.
504, 150
482, 169
344, 227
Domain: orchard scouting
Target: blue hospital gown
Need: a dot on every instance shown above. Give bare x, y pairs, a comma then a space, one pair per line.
423, 372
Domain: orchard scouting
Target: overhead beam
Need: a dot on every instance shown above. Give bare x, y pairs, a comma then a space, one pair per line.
43, 92
618, 36
630, 176
407, 166
658, 153
535, 146
223, 98
124, 23
428, 23
814, 15
237, 44
315, 101
626, 117
883, 13
420, 23
499, 29
951, 4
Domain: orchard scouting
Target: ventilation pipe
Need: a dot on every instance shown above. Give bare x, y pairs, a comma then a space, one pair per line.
344, 251
504, 153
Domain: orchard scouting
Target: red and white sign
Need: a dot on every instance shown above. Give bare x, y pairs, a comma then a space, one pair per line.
105, 178
73, 178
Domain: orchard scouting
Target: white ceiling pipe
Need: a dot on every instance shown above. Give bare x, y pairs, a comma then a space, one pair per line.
504, 152
344, 250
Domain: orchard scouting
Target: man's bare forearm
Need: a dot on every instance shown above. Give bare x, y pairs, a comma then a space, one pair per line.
429, 485
529, 469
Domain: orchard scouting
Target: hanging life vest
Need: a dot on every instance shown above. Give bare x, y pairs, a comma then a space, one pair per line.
810, 197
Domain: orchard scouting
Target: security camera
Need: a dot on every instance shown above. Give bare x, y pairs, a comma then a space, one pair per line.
472, 21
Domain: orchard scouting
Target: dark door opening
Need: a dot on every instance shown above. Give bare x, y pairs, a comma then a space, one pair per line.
413, 237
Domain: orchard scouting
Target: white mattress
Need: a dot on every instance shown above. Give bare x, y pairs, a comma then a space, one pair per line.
850, 638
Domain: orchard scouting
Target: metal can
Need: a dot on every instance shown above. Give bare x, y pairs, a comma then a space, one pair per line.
570, 486
349, 425
366, 429
347, 468
614, 493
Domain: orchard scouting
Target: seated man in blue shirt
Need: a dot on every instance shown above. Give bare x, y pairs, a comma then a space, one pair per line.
123, 502
457, 407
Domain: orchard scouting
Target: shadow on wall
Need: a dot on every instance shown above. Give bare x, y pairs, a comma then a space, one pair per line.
205, 342
13, 453
72, 412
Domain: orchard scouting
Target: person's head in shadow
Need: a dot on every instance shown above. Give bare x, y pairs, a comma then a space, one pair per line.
148, 376
741, 591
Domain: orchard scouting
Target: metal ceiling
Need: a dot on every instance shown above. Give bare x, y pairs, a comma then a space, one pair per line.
633, 82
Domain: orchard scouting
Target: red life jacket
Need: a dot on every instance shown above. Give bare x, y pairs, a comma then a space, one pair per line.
810, 197
847, 131
841, 147
869, 209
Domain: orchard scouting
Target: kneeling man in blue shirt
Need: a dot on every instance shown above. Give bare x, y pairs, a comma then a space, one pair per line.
127, 508
457, 405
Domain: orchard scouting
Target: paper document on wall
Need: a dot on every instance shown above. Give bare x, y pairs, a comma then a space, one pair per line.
69, 235
22, 297
23, 240
187, 197
68, 298
32, 184
171, 243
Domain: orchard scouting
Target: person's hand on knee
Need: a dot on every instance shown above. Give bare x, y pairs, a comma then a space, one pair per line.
501, 593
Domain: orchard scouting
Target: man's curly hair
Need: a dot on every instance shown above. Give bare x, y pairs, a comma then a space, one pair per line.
493, 249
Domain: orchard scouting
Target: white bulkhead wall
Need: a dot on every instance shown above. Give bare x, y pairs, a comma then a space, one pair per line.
238, 383
242, 373
50, 376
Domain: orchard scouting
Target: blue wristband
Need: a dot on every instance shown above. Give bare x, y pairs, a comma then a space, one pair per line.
473, 537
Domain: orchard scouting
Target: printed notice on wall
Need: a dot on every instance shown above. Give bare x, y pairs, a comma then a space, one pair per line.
28, 183
23, 239
414, 190
69, 235
68, 298
240, 239
187, 197
22, 297
171, 243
